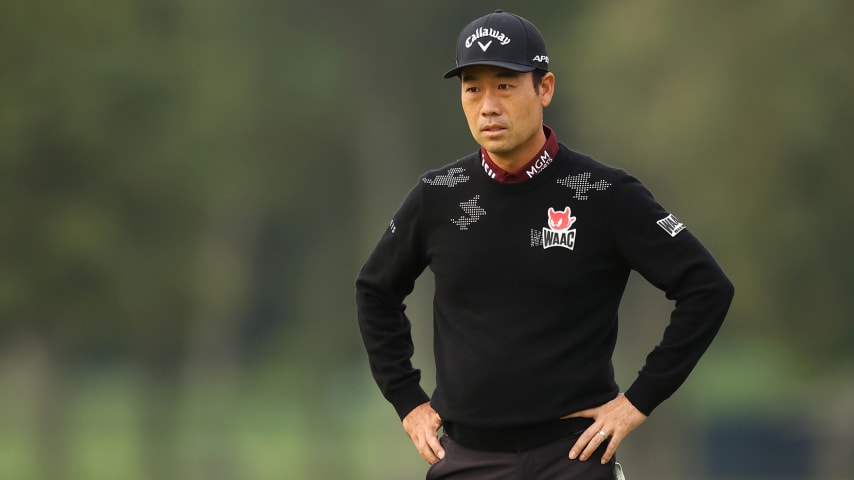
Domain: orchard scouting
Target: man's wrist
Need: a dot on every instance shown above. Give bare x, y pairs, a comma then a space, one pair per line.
406, 401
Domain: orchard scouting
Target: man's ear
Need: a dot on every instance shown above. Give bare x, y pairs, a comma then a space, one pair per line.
547, 88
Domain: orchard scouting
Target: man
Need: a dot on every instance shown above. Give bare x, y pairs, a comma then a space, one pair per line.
531, 245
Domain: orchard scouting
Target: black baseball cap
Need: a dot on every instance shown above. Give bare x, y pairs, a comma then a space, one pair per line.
501, 39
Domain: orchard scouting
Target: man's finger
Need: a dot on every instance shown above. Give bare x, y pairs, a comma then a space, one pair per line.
593, 443
421, 424
579, 449
428, 455
429, 448
612, 448
435, 447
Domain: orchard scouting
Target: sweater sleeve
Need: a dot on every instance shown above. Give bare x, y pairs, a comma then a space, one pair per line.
383, 283
671, 258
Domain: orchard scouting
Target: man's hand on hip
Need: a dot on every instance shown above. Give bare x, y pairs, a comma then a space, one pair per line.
614, 419
422, 425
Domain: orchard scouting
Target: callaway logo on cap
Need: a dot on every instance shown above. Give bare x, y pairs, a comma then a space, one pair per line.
501, 39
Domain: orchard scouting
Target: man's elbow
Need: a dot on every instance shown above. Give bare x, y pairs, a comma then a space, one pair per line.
725, 289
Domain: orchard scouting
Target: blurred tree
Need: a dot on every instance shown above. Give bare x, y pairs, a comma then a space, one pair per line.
154, 157
740, 112
189, 187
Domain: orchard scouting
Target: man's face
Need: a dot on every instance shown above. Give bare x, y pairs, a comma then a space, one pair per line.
504, 111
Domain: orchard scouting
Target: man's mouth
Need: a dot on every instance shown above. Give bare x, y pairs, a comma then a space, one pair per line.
492, 128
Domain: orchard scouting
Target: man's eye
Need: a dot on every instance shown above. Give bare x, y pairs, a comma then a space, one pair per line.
504, 86
472, 89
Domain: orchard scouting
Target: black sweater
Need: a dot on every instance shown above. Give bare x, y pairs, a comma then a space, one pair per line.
528, 280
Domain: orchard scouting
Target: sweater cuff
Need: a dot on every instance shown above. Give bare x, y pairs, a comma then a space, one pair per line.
643, 397
406, 400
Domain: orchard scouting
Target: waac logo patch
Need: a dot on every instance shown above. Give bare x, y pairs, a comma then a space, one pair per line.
558, 233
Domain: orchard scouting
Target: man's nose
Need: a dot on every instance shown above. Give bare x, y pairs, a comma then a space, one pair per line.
491, 105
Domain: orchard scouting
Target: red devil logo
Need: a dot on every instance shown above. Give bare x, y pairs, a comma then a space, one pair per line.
560, 220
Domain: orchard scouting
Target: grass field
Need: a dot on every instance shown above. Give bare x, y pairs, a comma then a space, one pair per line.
299, 422
103, 426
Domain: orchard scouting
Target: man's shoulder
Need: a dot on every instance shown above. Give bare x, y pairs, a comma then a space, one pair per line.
582, 161
455, 173
582, 166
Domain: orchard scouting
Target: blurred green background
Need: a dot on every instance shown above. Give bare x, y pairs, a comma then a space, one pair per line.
190, 187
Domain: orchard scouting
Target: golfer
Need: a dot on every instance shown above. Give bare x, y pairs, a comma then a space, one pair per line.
531, 245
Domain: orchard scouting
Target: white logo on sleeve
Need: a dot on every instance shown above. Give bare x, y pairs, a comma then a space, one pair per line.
671, 225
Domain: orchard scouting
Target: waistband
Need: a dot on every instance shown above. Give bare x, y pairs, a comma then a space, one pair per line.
514, 439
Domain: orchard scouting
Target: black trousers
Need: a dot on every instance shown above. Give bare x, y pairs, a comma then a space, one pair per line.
547, 462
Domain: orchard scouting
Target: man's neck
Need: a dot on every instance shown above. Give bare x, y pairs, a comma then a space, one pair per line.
537, 163
518, 159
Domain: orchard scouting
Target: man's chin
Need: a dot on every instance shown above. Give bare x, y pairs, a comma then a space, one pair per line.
493, 145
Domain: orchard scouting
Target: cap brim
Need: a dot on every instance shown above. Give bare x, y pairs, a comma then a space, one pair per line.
509, 66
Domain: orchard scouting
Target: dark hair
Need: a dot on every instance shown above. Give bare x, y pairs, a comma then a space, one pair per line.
538, 75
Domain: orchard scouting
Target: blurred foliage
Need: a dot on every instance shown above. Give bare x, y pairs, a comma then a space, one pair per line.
744, 109
189, 189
